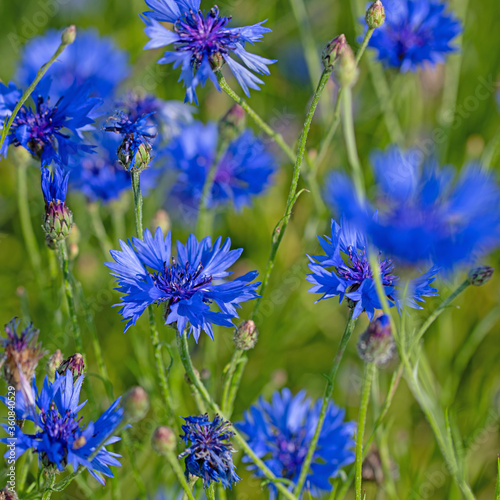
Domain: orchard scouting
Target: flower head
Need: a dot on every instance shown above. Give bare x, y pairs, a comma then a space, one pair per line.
376, 344
60, 438
424, 212
280, 433
58, 217
203, 43
209, 455
188, 285
345, 271
243, 172
49, 132
91, 59
415, 32
21, 355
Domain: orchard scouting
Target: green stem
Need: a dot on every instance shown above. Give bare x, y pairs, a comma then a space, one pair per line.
49, 483
363, 410
174, 463
68, 288
155, 336
229, 381
364, 44
133, 465
210, 491
351, 322
255, 117
24, 214
99, 229
31, 88
198, 384
205, 216
350, 140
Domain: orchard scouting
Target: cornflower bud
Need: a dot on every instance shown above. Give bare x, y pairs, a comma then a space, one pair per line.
480, 275
245, 336
347, 69
232, 124
75, 364
53, 364
375, 15
68, 36
163, 440
332, 50
135, 403
376, 344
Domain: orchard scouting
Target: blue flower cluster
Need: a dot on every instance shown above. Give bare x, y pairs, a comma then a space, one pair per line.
425, 213
202, 43
60, 439
280, 433
187, 285
415, 32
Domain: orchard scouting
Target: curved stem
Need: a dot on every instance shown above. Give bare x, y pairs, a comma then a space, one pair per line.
324, 405
363, 410
198, 384
235, 359
68, 288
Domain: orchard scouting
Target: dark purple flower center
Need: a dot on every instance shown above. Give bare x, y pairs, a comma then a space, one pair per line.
357, 268
291, 451
60, 428
204, 35
181, 283
407, 38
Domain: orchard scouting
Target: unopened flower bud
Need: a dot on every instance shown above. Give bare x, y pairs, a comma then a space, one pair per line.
53, 364
332, 51
57, 222
68, 36
162, 220
480, 275
375, 15
376, 344
347, 69
135, 403
75, 364
232, 124
245, 336
164, 440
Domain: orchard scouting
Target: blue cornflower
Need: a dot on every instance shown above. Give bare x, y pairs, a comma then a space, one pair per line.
242, 172
425, 213
345, 271
59, 438
187, 285
50, 133
210, 454
91, 59
415, 32
280, 433
202, 42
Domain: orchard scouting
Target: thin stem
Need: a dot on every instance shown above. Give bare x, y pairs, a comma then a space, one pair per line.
198, 384
174, 463
364, 44
235, 359
255, 117
133, 465
155, 336
205, 217
350, 141
24, 214
351, 322
49, 483
210, 491
31, 88
363, 410
68, 288
99, 229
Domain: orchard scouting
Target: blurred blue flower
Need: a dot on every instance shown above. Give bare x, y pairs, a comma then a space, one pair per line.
54, 185
243, 171
202, 42
415, 32
60, 438
90, 59
187, 285
425, 213
209, 455
345, 271
49, 132
280, 433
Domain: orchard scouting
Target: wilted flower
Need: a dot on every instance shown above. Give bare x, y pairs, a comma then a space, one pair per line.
376, 344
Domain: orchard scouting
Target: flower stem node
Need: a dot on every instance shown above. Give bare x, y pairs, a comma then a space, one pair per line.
347, 69
68, 36
53, 364
232, 124
376, 344
164, 440
245, 336
57, 223
480, 275
375, 15
135, 403
75, 364
332, 50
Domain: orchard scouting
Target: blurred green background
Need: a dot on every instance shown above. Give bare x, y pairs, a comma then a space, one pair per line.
297, 337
